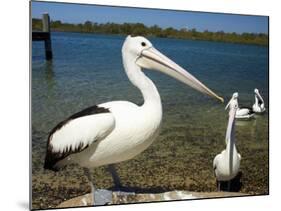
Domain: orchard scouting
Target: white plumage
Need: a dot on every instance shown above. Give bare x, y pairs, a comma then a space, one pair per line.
258, 106
226, 164
82, 130
134, 131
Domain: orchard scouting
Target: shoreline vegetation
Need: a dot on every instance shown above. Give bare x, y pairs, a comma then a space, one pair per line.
154, 31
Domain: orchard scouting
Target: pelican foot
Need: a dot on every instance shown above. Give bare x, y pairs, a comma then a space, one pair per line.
102, 197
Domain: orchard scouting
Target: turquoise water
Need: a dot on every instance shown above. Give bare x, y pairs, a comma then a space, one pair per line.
87, 69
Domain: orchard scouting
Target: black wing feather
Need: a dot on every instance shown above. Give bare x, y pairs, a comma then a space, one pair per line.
53, 157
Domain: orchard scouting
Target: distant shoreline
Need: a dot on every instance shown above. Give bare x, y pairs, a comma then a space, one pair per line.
152, 36
154, 31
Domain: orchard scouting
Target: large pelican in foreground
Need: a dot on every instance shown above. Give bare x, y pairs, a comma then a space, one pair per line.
258, 106
117, 131
226, 164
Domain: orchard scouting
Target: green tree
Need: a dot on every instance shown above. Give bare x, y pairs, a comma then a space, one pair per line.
88, 26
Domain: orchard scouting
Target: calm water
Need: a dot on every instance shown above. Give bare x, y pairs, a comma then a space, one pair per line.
87, 69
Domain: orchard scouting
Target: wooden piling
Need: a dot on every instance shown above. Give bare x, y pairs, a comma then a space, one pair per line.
46, 22
45, 36
48, 44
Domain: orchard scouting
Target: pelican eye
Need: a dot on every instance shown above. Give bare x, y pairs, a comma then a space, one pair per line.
143, 44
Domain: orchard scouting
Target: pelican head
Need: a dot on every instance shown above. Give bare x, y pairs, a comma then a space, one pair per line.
235, 95
257, 94
146, 56
233, 102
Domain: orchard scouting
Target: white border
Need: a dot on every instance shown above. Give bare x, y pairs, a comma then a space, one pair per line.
15, 102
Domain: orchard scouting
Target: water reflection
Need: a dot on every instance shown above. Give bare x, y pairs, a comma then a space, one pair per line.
247, 122
49, 72
50, 82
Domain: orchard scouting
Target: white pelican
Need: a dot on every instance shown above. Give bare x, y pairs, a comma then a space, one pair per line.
243, 112
116, 131
226, 164
258, 106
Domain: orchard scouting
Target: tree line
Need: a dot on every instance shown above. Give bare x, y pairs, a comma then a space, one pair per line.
155, 30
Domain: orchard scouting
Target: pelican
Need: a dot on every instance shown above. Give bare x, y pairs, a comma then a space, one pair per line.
117, 131
243, 112
258, 106
226, 164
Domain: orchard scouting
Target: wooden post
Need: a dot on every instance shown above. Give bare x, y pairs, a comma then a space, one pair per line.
48, 44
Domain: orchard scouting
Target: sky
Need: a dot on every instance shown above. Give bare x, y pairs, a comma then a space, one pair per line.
79, 13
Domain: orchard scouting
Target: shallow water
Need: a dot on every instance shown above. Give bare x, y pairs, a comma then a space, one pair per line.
87, 69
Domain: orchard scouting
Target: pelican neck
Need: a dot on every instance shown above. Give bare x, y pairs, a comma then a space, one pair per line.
135, 74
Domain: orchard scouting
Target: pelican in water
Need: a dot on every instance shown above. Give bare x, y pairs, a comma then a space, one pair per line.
226, 164
117, 131
243, 112
258, 106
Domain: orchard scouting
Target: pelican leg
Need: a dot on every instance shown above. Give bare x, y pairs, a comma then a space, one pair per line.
99, 196
218, 185
116, 179
228, 185
121, 190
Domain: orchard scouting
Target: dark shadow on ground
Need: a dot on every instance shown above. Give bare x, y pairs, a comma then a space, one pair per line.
235, 184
